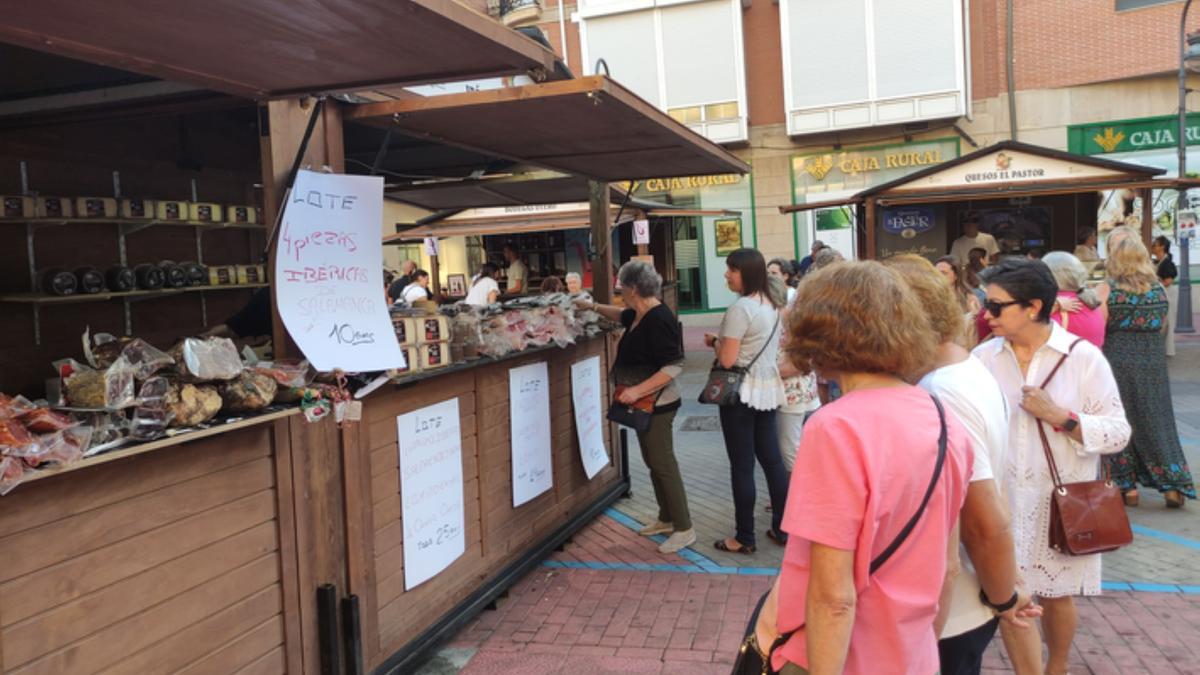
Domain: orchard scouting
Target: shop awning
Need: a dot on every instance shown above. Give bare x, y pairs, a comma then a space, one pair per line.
274, 48
590, 127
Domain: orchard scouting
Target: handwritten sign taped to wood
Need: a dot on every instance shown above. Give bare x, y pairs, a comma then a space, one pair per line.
431, 490
589, 414
329, 273
529, 418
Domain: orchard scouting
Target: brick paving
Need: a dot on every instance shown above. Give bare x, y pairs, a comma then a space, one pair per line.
610, 603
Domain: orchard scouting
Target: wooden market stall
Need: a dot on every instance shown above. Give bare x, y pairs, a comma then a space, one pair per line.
268, 544
1028, 197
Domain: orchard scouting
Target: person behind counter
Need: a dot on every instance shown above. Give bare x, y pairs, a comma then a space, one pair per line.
973, 238
396, 289
517, 274
649, 358
552, 285
1086, 250
417, 289
252, 320
484, 290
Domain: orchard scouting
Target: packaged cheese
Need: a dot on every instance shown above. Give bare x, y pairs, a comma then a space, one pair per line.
138, 209
171, 210
16, 207
241, 214
435, 355
251, 274
53, 207
205, 213
406, 330
412, 360
222, 275
432, 329
95, 207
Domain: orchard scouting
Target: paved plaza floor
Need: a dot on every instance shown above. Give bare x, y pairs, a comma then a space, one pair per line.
610, 603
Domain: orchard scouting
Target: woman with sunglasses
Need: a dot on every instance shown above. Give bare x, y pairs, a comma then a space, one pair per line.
1080, 410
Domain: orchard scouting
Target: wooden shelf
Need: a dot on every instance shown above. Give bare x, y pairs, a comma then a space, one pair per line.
130, 221
40, 299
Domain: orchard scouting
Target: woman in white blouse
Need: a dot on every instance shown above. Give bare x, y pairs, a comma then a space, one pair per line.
1084, 419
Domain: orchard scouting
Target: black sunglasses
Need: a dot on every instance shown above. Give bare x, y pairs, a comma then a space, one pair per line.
994, 308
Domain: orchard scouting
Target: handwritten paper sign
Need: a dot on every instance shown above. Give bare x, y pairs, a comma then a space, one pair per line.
529, 412
329, 273
641, 232
431, 490
589, 414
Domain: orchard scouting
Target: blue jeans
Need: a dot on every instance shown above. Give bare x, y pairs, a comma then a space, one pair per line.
751, 434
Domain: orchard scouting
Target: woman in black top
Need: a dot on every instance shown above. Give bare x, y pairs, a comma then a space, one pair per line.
1160, 248
649, 358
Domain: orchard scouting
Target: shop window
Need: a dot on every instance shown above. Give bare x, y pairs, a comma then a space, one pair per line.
1123, 5
408, 252
686, 57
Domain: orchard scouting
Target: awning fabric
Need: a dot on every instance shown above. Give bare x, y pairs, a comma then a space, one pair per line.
275, 48
590, 127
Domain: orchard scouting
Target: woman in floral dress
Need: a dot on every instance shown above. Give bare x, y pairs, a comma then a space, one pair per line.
1136, 348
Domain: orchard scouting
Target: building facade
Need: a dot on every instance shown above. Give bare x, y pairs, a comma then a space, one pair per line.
824, 98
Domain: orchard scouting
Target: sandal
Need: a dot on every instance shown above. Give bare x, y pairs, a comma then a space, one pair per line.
777, 537
1131, 497
721, 545
1174, 499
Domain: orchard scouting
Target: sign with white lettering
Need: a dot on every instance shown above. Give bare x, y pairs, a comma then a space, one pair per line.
641, 232
431, 490
589, 414
1119, 136
529, 419
329, 273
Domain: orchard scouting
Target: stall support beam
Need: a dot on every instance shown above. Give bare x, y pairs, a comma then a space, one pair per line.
281, 133
602, 281
1147, 215
869, 207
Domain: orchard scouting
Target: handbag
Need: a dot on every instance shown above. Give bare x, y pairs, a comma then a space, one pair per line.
751, 659
724, 385
636, 416
1087, 517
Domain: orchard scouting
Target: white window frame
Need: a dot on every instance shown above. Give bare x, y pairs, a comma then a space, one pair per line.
718, 132
874, 111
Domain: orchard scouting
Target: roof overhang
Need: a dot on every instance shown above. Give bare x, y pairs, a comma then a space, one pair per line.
591, 127
274, 48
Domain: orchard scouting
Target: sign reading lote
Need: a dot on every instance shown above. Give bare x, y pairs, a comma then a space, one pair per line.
329, 272
431, 490
529, 413
589, 414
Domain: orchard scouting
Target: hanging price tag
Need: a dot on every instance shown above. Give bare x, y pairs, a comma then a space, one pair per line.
641, 232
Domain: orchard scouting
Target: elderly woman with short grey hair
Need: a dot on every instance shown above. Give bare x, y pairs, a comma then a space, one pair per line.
649, 358
575, 286
1077, 308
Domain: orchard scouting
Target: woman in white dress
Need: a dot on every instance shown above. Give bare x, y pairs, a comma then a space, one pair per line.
1083, 417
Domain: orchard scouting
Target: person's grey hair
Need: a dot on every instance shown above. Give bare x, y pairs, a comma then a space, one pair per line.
825, 257
573, 275
641, 277
1071, 275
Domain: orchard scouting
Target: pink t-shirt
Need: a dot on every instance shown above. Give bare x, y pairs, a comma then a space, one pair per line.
861, 471
1087, 323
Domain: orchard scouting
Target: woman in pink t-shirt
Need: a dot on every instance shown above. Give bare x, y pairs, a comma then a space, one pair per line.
1078, 309
862, 471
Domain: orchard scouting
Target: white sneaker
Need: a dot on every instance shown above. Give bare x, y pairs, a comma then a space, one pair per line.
677, 541
657, 527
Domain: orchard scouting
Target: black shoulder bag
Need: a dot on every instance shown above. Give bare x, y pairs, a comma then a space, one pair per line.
751, 659
724, 385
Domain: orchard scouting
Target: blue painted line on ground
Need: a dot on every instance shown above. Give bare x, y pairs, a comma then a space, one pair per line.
1167, 536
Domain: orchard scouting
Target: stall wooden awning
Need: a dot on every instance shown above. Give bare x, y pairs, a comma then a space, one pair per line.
275, 48
590, 127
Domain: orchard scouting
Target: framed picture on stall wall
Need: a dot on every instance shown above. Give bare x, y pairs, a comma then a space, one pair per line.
456, 285
728, 235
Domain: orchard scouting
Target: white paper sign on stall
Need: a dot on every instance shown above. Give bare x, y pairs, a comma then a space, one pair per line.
329, 272
641, 232
589, 414
529, 413
431, 490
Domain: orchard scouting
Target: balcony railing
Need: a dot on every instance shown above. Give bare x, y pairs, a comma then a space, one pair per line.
516, 12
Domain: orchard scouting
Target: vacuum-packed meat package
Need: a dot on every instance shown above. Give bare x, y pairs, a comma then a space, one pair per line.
112, 388
15, 439
292, 378
46, 421
12, 472
250, 392
62, 447
144, 359
207, 360
14, 407
191, 404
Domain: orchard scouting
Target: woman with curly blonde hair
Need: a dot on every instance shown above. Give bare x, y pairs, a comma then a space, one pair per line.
1136, 348
864, 467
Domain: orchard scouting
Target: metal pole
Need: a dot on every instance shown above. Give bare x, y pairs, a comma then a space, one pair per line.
1183, 323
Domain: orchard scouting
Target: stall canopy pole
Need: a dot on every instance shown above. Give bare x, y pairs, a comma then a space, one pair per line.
295, 170
602, 282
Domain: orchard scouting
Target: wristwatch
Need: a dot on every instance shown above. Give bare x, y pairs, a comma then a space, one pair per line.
999, 609
1002, 608
1071, 424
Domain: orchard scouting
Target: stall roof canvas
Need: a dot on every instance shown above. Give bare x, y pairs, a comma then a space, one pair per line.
1011, 163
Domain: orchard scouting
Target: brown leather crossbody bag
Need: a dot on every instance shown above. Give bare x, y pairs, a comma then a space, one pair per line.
1086, 517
